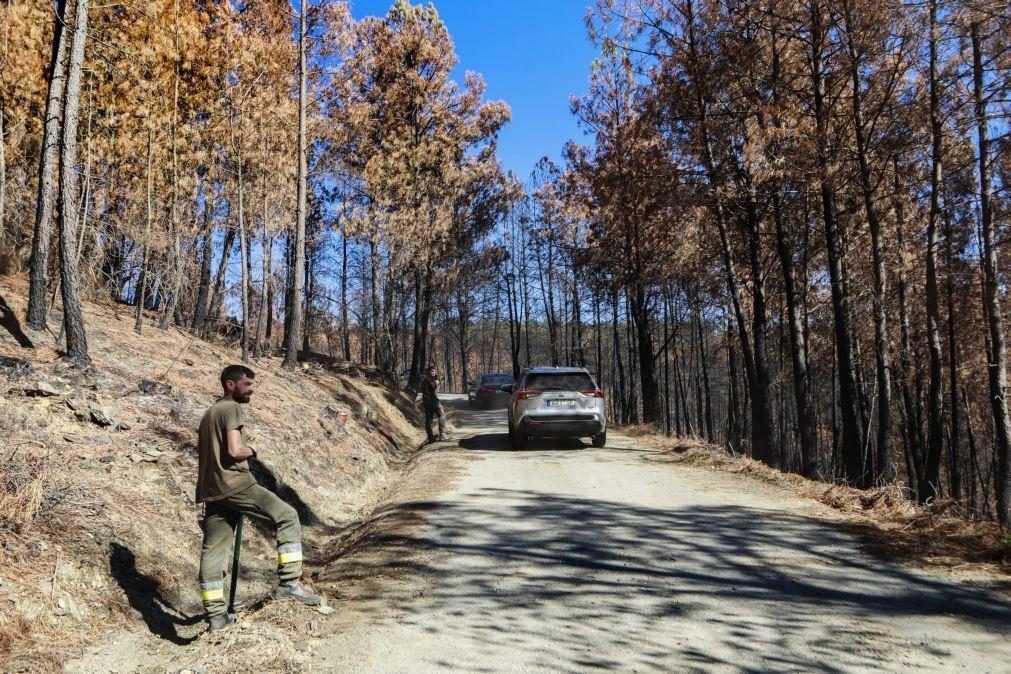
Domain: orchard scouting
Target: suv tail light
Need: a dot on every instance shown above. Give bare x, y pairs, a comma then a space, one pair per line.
593, 393
486, 389
523, 395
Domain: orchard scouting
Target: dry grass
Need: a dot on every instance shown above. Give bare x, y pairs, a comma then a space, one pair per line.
287, 616
36, 635
27, 637
42, 516
14, 629
885, 517
23, 488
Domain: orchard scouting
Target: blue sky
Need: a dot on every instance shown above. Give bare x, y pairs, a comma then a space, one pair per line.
532, 54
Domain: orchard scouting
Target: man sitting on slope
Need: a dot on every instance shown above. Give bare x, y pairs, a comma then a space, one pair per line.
228, 490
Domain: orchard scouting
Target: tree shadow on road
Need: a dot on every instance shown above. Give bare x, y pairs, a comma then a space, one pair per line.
694, 588
499, 442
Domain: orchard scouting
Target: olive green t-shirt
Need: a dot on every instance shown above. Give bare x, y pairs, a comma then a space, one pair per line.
219, 475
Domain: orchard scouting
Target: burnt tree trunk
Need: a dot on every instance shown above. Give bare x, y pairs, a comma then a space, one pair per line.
765, 450
243, 253
913, 433
206, 262
851, 450
806, 428
930, 480
621, 413
345, 325
177, 258
141, 292
3, 169
761, 426
294, 305
261, 321
218, 296
884, 466
46, 200
647, 361
73, 319
991, 294
954, 433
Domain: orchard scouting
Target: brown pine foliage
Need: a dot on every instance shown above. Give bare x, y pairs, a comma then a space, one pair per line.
785, 231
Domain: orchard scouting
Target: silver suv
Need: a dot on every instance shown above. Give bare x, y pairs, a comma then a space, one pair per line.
557, 402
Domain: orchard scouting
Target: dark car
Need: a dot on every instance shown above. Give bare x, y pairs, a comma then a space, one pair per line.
488, 391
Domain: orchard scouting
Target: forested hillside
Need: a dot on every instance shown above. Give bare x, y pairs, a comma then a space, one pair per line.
803, 204
784, 231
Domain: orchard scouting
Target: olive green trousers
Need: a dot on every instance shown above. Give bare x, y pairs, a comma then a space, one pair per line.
220, 520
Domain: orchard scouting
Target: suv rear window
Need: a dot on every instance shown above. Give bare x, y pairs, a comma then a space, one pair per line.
496, 379
560, 381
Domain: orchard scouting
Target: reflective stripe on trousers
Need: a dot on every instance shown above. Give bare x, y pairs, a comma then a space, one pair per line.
212, 591
287, 554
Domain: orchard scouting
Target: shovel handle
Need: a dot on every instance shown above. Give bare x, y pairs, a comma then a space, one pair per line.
235, 565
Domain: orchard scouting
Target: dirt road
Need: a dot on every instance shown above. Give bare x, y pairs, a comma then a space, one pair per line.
568, 558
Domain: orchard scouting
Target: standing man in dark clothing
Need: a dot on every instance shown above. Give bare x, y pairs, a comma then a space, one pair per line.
228, 491
433, 407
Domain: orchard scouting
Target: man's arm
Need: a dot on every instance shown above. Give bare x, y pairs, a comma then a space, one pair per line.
236, 450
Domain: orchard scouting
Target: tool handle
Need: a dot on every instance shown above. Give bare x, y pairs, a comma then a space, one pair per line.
235, 565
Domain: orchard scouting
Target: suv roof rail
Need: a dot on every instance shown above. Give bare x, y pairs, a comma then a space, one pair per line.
552, 368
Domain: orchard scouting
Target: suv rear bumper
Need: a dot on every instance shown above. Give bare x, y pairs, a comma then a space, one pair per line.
566, 428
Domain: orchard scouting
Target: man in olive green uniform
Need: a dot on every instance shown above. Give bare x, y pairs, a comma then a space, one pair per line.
433, 406
228, 490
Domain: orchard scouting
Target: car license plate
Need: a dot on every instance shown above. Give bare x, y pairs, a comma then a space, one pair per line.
561, 403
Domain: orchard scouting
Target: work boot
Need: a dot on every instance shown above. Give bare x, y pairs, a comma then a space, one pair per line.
294, 589
443, 438
220, 622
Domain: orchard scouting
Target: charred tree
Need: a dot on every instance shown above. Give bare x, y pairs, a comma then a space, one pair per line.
47, 190
73, 319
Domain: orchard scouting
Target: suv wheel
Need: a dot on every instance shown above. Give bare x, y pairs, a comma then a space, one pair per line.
600, 439
517, 439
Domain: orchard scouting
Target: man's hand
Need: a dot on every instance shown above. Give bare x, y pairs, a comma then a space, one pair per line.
236, 449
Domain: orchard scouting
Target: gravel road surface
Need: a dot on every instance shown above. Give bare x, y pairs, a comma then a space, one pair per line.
567, 558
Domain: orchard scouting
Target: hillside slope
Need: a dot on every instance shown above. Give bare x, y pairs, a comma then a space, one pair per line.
98, 525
